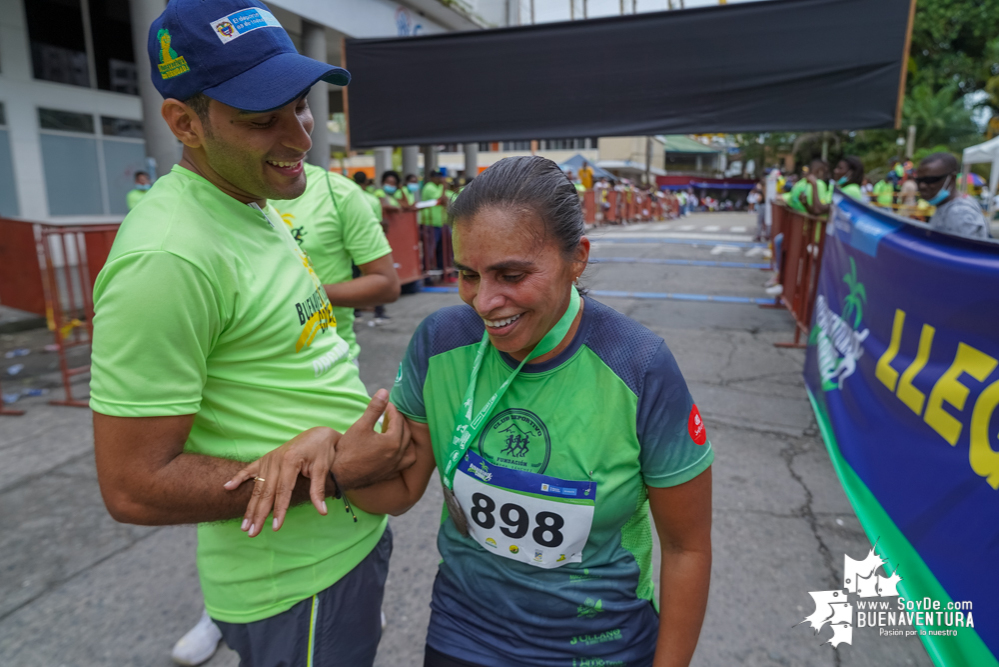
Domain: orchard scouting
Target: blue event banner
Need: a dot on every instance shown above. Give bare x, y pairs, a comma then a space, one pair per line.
903, 369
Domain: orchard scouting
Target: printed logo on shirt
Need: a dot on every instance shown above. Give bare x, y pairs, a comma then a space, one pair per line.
695, 426
518, 439
297, 233
239, 23
315, 314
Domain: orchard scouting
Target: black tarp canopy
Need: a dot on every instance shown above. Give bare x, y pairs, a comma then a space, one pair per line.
750, 67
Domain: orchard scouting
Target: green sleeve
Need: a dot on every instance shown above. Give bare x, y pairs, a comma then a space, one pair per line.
157, 318
407, 392
363, 237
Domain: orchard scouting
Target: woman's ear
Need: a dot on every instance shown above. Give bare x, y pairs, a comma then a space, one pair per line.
582, 256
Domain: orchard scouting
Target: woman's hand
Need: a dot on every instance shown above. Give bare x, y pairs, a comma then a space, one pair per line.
309, 454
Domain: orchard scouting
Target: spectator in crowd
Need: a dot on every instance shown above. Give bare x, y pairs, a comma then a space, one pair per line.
810, 189
848, 174
391, 195
586, 175
867, 188
896, 173
141, 187
936, 178
432, 218
412, 190
884, 192
367, 187
908, 196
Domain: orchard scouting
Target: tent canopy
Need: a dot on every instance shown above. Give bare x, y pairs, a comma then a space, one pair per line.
985, 152
575, 163
747, 67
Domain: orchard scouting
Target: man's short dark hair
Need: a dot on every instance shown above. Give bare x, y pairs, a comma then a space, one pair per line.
140, 173
946, 159
199, 103
390, 172
360, 177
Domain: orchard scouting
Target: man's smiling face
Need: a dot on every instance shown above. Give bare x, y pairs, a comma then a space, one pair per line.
259, 154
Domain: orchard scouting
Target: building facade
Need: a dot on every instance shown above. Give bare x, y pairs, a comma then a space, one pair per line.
78, 112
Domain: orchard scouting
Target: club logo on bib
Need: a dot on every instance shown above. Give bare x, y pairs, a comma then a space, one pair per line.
517, 439
695, 426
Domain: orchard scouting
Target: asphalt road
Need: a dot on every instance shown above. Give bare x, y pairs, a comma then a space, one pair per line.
79, 589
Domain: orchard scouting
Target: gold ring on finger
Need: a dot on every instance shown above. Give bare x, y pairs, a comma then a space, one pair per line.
259, 479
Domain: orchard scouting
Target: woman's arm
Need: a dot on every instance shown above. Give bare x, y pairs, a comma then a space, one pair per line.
683, 521
398, 494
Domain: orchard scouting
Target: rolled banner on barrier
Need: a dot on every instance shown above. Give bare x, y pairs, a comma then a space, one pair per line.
902, 369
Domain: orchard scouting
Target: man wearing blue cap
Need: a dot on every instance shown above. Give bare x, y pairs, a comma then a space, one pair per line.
215, 343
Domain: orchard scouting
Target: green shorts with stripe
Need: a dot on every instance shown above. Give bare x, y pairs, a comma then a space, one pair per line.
337, 626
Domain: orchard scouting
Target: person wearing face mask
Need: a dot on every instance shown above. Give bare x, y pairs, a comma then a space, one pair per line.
142, 185
847, 175
936, 177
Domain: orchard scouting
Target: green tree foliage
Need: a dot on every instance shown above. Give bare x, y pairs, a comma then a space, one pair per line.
953, 41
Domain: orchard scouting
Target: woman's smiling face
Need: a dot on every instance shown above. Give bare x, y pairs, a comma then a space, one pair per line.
515, 277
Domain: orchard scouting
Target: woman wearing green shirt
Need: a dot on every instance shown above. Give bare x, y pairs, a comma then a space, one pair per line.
556, 425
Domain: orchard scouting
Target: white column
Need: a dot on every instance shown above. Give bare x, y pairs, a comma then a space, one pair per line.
410, 160
383, 162
314, 46
471, 160
161, 145
429, 160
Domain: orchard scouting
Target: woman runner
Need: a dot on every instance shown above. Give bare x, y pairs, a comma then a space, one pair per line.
556, 424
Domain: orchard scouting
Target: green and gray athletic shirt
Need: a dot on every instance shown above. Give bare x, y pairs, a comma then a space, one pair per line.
610, 412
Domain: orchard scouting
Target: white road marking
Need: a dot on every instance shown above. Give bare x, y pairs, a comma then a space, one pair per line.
737, 230
711, 228
719, 249
686, 228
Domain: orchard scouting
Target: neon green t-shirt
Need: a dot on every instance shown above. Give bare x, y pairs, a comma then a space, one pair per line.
825, 194
853, 190
334, 223
375, 203
433, 216
134, 196
884, 192
206, 306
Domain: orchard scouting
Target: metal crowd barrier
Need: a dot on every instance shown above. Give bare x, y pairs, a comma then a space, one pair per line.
73, 256
403, 234
798, 265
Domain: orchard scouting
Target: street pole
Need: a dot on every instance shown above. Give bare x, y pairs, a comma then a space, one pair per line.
586, 13
648, 161
910, 145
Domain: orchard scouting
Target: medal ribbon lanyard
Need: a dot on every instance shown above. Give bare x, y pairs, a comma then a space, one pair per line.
466, 428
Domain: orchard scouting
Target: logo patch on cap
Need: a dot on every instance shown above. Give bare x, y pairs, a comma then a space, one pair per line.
695, 426
171, 64
239, 23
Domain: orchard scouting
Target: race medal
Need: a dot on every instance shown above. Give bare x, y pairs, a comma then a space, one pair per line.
454, 510
528, 517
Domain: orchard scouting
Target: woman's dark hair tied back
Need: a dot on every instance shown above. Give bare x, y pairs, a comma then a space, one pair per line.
530, 183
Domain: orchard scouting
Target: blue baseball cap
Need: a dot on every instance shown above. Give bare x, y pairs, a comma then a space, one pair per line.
233, 51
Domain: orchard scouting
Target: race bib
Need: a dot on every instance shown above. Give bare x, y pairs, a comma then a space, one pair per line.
535, 519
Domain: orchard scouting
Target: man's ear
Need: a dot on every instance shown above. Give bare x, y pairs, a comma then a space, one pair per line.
183, 122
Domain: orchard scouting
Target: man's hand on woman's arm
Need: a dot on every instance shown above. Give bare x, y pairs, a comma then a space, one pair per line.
357, 458
399, 493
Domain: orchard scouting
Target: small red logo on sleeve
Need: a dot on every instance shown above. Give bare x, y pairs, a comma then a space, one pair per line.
695, 427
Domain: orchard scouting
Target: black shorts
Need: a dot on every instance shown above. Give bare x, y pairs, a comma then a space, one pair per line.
341, 625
